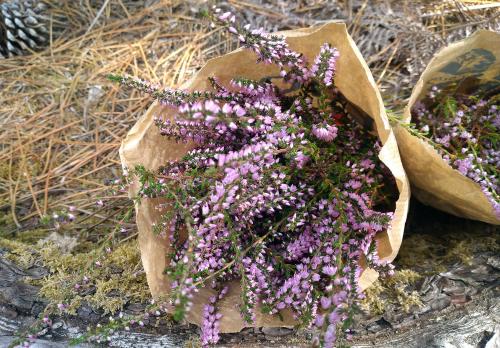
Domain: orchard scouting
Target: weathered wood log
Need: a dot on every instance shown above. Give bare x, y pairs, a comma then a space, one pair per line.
461, 306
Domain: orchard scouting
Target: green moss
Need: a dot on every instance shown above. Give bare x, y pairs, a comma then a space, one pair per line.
118, 280
6, 219
392, 290
427, 254
373, 301
32, 236
111, 285
435, 252
19, 253
398, 285
193, 342
84, 246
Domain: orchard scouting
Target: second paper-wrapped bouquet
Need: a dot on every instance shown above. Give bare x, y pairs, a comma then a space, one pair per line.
449, 140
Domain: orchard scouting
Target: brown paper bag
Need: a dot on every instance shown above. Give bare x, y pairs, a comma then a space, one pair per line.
434, 182
144, 145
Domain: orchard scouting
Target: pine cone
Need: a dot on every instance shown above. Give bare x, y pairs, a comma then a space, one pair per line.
22, 27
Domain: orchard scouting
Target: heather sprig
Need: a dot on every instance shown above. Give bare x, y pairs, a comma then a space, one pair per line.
324, 64
270, 48
466, 132
282, 191
164, 96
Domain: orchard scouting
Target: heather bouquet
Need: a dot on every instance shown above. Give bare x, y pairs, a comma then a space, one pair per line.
465, 129
265, 194
450, 142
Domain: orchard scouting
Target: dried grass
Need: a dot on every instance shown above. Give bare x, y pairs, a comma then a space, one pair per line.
62, 121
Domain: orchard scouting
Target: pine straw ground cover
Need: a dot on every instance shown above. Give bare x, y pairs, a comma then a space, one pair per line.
62, 121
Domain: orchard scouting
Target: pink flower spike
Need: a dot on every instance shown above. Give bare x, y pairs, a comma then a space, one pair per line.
225, 16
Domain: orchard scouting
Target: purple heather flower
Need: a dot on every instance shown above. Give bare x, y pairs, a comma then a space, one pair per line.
330, 336
334, 317
329, 270
325, 302
320, 320
324, 132
301, 159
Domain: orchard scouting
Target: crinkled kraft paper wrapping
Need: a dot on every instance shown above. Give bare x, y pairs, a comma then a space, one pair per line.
144, 145
434, 182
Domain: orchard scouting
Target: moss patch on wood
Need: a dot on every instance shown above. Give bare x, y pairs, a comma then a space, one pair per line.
392, 291
433, 253
105, 278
